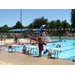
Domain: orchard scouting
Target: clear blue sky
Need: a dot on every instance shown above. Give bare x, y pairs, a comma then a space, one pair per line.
11, 16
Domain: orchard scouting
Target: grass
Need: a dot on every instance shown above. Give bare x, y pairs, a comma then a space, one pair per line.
62, 37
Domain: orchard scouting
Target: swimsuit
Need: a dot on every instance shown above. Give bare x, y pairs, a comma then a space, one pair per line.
40, 46
15, 38
24, 51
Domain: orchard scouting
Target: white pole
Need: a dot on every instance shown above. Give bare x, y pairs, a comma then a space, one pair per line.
21, 20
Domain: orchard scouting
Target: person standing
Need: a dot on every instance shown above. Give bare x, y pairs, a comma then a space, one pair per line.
40, 44
47, 33
29, 36
16, 39
1, 36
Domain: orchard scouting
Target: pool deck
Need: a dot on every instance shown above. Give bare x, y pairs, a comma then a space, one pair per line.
22, 59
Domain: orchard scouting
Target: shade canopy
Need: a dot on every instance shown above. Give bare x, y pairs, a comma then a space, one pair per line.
37, 31
19, 30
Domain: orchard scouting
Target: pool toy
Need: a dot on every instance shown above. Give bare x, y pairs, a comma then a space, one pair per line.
45, 52
34, 38
74, 60
44, 43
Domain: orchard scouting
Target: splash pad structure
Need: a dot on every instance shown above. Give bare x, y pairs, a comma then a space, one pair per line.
46, 38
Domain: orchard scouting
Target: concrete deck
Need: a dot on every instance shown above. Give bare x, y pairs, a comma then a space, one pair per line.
22, 59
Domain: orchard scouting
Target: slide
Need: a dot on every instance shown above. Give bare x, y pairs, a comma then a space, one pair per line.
46, 38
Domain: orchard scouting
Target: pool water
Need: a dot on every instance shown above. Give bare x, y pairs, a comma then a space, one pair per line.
67, 48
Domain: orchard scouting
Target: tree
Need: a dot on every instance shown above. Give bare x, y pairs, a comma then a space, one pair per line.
5, 28
58, 24
52, 24
73, 18
27, 27
65, 24
37, 23
18, 25
0, 29
48, 25
31, 25
61, 25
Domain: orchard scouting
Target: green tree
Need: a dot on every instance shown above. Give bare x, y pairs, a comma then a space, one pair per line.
5, 28
61, 25
18, 25
52, 24
37, 23
48, 25
65, 24
0, 29
31, 25
73, 18
10, 28
26, 27
58, 23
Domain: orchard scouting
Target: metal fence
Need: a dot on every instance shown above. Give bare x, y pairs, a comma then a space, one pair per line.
24, 35
12, 35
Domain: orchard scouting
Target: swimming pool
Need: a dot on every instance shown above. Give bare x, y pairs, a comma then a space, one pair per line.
67, 48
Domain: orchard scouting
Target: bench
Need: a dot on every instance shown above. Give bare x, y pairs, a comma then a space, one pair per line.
54, 50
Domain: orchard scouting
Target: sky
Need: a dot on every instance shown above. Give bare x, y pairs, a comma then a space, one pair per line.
11, 16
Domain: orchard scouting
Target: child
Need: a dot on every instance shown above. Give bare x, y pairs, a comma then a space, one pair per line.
29, 38
49, 54
24, 50
16, 39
